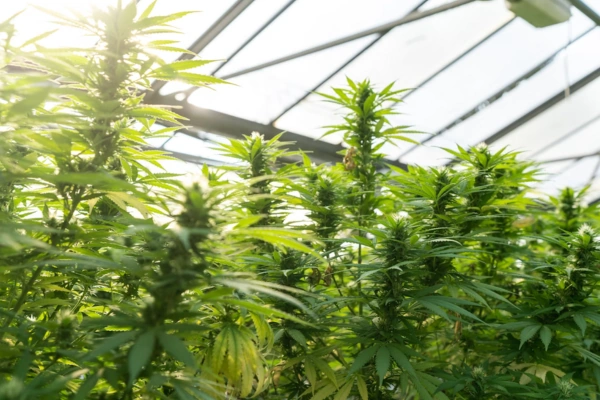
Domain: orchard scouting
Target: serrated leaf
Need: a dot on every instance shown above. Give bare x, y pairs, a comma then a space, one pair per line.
109, 343
86, 387
147, 11
311, 373
362, 388
298, 337
529, 332
176, 348
581, 323
344, 392
326, 369
402, 361
140, 354
546, 336
382, 363
362, 358
325, 392
31, 101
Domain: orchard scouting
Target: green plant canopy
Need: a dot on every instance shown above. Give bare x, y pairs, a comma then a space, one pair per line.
269, 279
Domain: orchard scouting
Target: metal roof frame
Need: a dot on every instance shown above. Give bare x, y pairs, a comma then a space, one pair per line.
234, 127
414, 16
231, 126
341, 67
498, 95
543, 107
216, 28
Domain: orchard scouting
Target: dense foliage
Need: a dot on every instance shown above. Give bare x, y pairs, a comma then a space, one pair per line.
265, 279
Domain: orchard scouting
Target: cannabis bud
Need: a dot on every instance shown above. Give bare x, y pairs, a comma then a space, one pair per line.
565, 388
478, 373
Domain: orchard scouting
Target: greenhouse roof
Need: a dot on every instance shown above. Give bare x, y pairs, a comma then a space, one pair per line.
478, 75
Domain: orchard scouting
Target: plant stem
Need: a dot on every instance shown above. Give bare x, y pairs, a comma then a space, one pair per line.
26, 288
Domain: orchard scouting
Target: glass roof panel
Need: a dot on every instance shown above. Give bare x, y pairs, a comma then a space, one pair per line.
575, 175
412, 53
580, 59
308, 23
33, 21
157, 141
548, 174
584, 140
505, 57
594, 4
192, 26
203, 149
237, 32
264, 94
310, 116
574, 111
185, 144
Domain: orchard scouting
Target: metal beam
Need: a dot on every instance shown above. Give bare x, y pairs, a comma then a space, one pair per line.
231, 126
255, 34
542, 107
216, 28
567, 135
188, 92
498, 95
377, 30
189, 158
569, 158
341, 67
586, 10
460, 57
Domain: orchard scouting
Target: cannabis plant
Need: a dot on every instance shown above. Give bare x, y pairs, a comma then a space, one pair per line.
274, 278
99, 298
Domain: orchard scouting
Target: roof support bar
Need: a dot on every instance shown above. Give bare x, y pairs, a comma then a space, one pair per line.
543, 107
459, 57
188, 92
567, 135
379, 29
232, 13
586, 10
498, 95
255, 34
341, 67
570, 158
231, 126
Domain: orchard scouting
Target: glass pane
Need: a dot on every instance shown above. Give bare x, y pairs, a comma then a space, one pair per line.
192, 26
594, 4
245, 25
429, 154
580, 59
308, 23
203, 149
264, 94
173, 87
584, 140
156, 141
576, 175
555, 122
548, 174
505, 57
185, 144
593, 192
409, 54
190, 171
33, 22
310, 116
